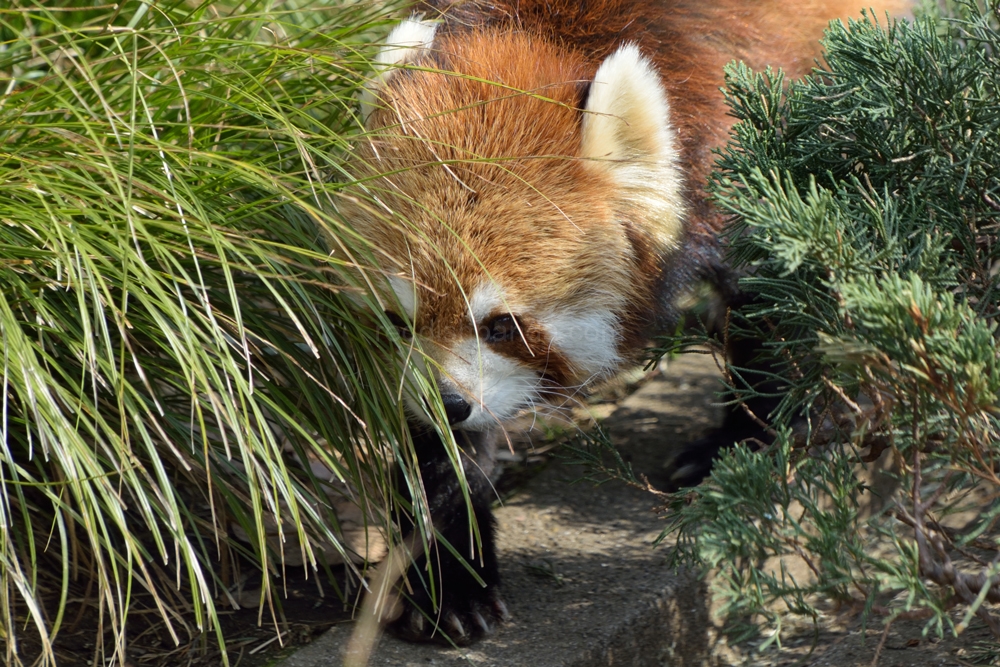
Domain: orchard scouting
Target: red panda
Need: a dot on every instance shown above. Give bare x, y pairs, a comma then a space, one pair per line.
534, 179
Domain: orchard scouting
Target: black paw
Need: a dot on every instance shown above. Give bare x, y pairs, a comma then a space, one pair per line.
458, 622
467, 589
694, 463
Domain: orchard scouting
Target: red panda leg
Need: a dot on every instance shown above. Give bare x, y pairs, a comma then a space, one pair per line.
461, 609
744, 422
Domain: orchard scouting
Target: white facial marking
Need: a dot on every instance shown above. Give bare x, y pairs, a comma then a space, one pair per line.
406, 296
497, 387
626, 131
405, 44
588, 339
484, 299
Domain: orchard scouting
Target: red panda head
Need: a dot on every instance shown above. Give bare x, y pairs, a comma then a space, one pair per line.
520, 199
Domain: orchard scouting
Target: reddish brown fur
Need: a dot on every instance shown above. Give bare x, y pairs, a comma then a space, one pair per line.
551, 235
690, 41
532, 346
513, 200
491, 157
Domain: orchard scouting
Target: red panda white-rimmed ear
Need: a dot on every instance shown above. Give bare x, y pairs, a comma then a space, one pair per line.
404, 45
626, 131
627, 111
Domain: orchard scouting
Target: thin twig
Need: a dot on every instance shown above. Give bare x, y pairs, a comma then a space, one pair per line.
881, 644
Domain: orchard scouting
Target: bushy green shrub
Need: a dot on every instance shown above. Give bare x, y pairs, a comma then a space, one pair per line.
866, 201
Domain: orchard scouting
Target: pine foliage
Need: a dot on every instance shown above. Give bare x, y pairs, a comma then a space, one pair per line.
866, 201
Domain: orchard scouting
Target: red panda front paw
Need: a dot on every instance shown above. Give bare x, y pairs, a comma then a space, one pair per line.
459, 622
694, 462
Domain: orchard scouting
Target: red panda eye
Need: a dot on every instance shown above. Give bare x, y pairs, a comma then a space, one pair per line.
401, 326
500, 329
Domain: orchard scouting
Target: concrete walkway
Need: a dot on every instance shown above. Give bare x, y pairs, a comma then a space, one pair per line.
583, 583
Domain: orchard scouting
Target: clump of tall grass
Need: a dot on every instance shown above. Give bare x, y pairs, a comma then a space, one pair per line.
176, 339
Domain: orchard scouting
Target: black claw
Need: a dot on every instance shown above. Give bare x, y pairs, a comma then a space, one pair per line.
501, 610
454, 625
688, 475
481, 623
694, 462
457, 630
418, 622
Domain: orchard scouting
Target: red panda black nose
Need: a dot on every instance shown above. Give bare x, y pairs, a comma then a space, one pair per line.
456, 408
